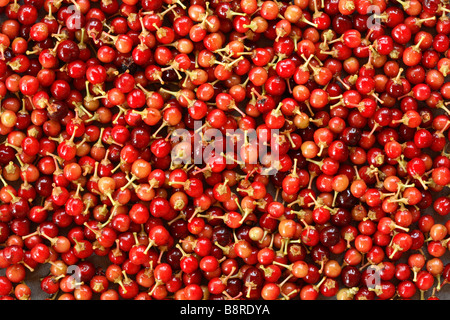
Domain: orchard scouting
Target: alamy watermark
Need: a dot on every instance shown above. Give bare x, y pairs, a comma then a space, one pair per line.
374, 19
208, 145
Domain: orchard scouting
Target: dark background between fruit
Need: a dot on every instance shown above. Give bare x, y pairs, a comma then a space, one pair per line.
33, 278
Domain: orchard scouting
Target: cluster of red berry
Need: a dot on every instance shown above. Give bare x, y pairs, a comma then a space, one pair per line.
326, 174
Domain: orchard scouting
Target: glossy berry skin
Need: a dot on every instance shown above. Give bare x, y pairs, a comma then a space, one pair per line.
224, 150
